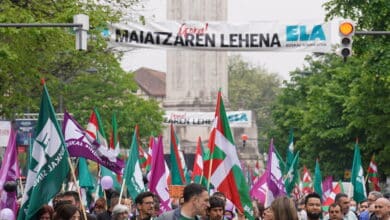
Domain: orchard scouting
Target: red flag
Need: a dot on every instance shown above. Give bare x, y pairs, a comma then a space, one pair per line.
95, 130
330, 199
149, 154
307, 182
372, 173
198, 163
225, 173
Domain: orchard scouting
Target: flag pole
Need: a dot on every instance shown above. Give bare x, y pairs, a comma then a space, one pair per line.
211, 162
77, 187
122, 187
21, 185
201, 178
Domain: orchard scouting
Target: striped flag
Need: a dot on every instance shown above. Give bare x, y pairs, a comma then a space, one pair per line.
197, 171
224, 169
143, 157
95, 130
372, 174
307, 182
332, 195
327, 187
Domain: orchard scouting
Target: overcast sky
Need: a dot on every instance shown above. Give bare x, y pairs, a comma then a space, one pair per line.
239, 11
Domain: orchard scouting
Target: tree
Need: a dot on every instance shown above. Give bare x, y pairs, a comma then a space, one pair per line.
252, 88
331, 103
368, 106
77, 80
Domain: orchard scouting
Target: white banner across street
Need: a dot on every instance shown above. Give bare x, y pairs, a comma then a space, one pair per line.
5, 131
308, 36
236, 118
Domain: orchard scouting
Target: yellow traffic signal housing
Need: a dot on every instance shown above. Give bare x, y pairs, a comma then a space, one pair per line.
346, 32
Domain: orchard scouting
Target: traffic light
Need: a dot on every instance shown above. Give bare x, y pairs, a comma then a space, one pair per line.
346, 31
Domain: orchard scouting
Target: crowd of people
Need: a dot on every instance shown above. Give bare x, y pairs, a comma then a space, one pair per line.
197, 204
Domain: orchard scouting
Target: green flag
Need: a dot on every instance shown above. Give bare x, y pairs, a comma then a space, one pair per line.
179, 171
282, 164
101, 138
357, 177
85, 177
206, 157
48, 166
114, 137
86, 181
292, 175
317, 179
290, 151
133, 174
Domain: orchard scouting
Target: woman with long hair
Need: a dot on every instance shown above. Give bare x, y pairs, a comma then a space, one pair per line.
282, 208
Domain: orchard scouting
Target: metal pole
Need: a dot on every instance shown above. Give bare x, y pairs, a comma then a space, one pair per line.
32, 25
372, 32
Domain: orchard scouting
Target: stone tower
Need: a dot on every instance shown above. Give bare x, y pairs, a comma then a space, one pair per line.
194, 77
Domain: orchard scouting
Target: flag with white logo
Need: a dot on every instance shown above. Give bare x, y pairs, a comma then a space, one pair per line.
49, 163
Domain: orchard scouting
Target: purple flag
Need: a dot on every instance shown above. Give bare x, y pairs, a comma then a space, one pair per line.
327, 187
81, 145
260, 188
9, 172
158, 176
275, 178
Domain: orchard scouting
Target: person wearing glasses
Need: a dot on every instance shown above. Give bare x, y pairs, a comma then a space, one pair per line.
369, 214
145, 206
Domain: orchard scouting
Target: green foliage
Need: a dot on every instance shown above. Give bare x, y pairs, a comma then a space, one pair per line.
253, 88
331, 103
77, 80
331, 107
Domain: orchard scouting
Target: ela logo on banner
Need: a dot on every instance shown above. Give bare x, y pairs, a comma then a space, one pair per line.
300, 33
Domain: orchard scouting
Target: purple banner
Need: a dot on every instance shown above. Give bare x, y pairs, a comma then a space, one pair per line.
80, 144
